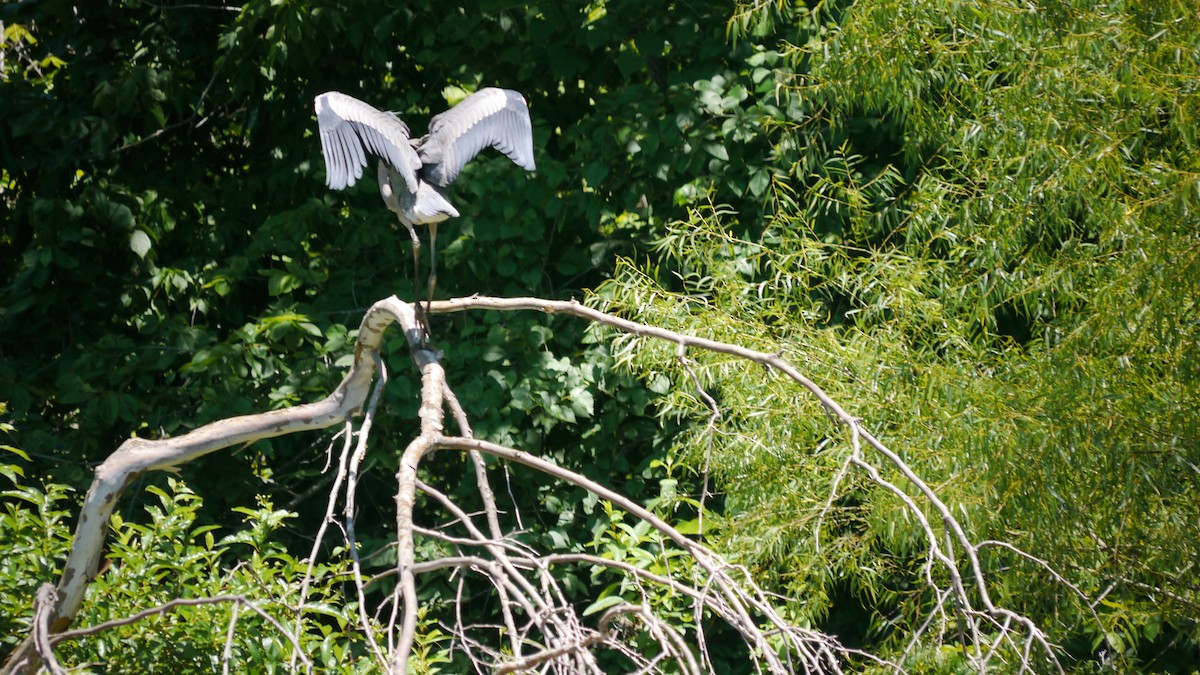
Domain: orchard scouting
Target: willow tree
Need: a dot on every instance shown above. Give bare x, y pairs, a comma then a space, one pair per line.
972, 224
979, 222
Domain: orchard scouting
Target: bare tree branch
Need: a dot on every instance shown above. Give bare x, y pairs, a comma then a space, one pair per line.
238, 600
137, 456
47, 598
536, 612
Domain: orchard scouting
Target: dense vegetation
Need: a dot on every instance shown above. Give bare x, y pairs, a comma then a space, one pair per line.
974, 224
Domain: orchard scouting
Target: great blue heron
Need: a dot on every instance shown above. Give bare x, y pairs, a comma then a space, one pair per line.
415, 173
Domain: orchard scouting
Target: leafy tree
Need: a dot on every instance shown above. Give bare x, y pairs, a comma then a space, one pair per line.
980, 231
169, 247
163, 183
171, 559
972, 223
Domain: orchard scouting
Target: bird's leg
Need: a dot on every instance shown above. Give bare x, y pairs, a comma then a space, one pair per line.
432, 268
422, 321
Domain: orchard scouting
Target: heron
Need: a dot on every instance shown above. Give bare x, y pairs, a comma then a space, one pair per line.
415, 173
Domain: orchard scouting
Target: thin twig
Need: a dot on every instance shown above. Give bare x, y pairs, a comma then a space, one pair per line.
183, 602
710, 428
360, 452
227, 654
330, 505
481, 478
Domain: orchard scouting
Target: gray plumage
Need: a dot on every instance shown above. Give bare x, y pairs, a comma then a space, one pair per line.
414, 174
351, 129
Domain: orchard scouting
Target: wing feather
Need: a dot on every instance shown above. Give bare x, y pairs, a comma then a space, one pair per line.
350, 129
498, 118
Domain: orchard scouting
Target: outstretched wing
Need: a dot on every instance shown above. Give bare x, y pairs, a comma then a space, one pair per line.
350, 129
490, 117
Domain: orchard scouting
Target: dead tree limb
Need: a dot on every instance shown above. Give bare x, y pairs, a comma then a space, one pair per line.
522, 576
136, 456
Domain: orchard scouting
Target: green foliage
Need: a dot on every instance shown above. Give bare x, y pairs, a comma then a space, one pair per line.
640, 545
171, 256
169, 191
984, 242
973, 224
34, 527
166, 556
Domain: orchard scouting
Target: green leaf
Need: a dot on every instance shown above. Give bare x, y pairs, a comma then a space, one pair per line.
759, 181
16, 451
139, 243
717, 150
603, 604
281, 283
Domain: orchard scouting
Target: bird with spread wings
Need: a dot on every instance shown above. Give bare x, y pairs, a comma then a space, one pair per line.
415, 173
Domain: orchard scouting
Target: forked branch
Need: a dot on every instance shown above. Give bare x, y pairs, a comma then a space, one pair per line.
536, 613
139, 455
